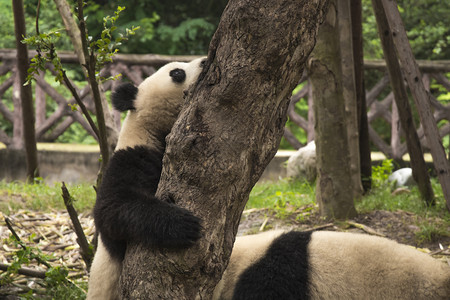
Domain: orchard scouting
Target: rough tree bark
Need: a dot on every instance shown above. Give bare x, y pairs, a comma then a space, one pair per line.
349, 93
26, 96
332, 149
225, 136
363, 123
420, 95
419, 167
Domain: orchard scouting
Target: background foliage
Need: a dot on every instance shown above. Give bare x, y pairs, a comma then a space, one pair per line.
186, 27
427, 25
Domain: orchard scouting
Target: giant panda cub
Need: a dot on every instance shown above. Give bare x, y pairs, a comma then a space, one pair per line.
126, 208
330, 265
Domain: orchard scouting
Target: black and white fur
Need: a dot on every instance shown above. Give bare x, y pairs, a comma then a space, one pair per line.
126, 208
330, 265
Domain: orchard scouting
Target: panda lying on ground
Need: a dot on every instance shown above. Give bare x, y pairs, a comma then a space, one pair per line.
126, 208
330, 265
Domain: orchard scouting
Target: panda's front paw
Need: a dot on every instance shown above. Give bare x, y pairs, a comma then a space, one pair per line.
183, 230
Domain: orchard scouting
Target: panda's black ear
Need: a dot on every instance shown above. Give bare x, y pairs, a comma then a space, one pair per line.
123, 97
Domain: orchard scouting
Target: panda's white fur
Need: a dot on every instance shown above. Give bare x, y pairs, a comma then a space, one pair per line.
152, 110
246, 251
104, 275
338, 266
157, 105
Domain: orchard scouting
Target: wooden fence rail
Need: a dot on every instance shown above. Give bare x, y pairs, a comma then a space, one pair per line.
50, 124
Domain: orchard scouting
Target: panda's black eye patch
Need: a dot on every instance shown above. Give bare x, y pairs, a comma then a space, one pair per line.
178, 75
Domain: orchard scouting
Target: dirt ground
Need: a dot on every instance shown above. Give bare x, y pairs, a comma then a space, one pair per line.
400, 225
52, 233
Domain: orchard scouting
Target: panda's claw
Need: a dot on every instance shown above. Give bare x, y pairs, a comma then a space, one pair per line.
189, 232
170, 227
183, 230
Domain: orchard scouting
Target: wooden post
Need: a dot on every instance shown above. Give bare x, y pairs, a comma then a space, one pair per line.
349, 92
363, 125
421, 96
26, 96
418, 165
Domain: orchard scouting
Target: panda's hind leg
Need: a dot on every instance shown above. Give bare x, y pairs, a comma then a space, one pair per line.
104, 275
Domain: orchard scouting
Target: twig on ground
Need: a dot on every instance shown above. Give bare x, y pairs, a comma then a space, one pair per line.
320, 227
86, 250
16, 236
25, 271
263, 224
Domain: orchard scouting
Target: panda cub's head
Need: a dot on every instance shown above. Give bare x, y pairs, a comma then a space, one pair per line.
154, 106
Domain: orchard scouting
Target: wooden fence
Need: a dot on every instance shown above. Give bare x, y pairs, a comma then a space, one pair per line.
51, 124
384, 108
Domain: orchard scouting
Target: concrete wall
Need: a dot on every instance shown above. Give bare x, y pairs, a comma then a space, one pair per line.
77, 167
54, 166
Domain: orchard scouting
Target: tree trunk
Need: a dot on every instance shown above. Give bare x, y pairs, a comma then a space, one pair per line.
420, 95
72, 28
105, 123
419, 167
41, 103
311, 134
26, 95
332, 148
349, 93
223, 140
363, 123
17, 141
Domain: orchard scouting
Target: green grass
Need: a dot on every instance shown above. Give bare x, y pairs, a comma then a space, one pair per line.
280, 193
381, 198
433, 221
44, 197
68, 291
430, 231
40, 196
274, 194
284, 196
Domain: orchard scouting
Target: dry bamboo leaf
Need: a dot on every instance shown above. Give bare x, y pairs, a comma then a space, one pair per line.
365, 228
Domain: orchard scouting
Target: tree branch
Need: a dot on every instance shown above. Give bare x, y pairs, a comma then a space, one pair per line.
81, 105
86, 250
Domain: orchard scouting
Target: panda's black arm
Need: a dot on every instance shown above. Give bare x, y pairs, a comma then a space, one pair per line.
147, 220
133, 169
126, 208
